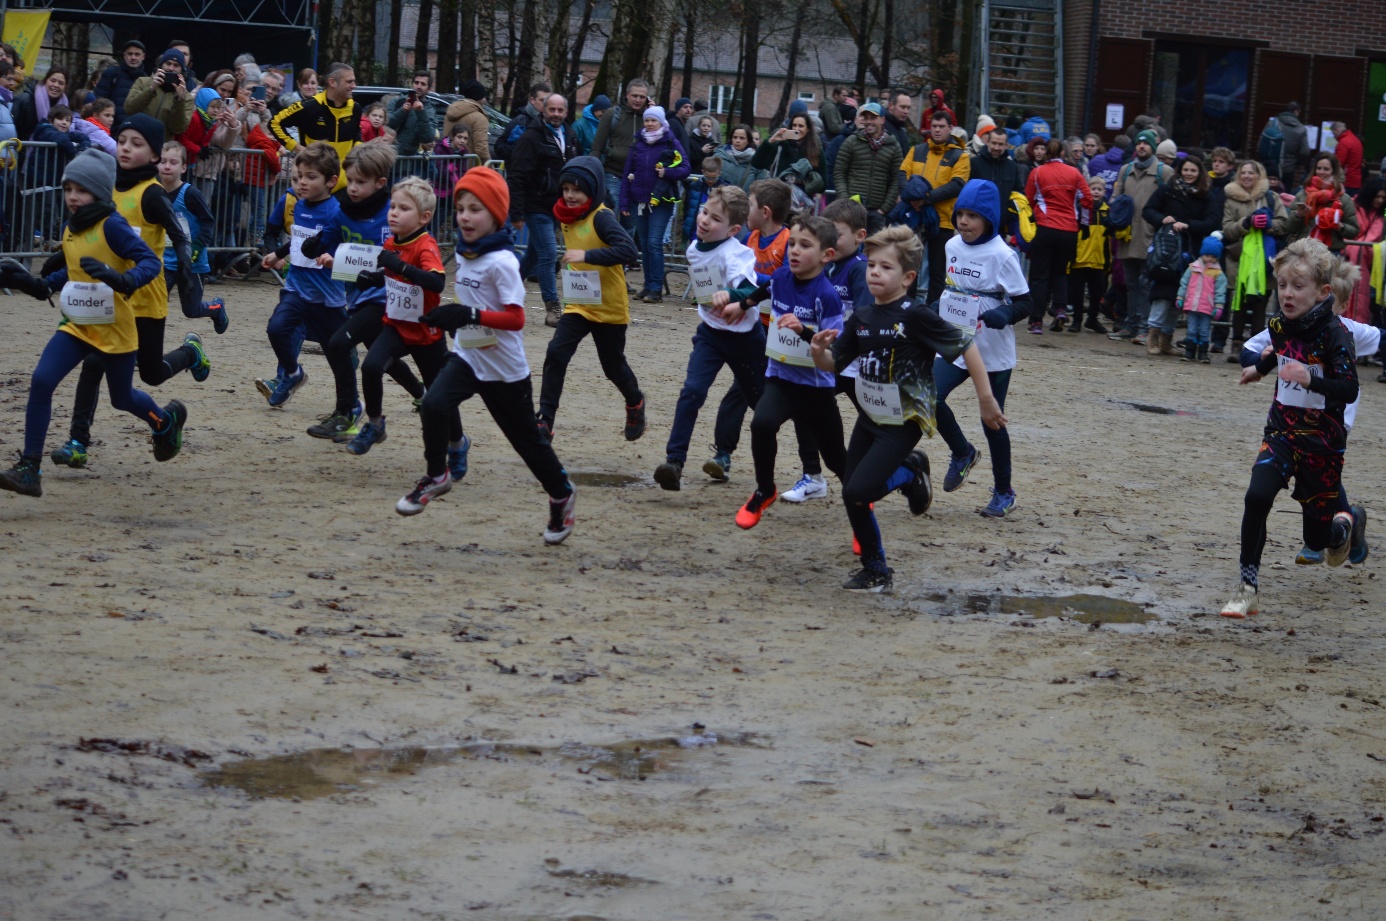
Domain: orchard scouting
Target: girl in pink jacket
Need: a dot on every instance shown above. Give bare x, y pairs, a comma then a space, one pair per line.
1202, 292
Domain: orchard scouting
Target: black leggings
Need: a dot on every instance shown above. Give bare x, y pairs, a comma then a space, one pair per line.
1266, 483
814, 408
154, 366
385, 353
1050, 254
610, 340
363, 326
874, 453
1093, 284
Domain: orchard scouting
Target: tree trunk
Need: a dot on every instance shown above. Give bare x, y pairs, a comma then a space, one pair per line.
524, 55
556, 61
791, 72
751, 65
887, 42
690, 14
325, 28
466, 44
447, 45
365, 41
636, 62
862, 39
341, 41
575, 68
511, 41
666, 77
486, 70
422, 35
395, 43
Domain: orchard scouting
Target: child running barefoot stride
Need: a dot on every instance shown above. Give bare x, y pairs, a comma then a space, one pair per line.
896, 341
803, 302
595, 300
1306, 432
986, 294
488, 358
106, 261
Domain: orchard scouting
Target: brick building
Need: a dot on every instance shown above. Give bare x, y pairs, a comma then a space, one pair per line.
1219, 72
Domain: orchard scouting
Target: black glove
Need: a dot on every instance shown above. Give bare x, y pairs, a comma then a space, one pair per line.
13, 275
370, 280
451, 317
997, 318
389, 259
121, 284
313, 247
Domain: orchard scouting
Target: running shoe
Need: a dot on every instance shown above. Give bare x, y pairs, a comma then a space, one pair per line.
919, 491
1122, 335
809, 486
266, 385
959, 468
368, 437
169, 441
1340, 540
1060, 321
457, 457
669, 475
1037, 329
870, 579
748, 516
24, 477
1243, 604
73, 454
350, 432
561, 518
719, 468
201, 368
635, 420
1358, 551
1307, 557
424, 492
220, 321
336, 423
286, 387
1001, 504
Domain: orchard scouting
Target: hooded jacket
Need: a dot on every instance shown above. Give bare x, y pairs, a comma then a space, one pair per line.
1349, 151
1107, 165
936, 104
1140, 183
872, 175
174, 113
599, 225
115, 84
638, 178
470, 113
1294, 150
1006, 174
535, 162
946, 166
585, 129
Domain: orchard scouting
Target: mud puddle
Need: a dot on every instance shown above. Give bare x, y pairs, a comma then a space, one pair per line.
1083, 608
327, 771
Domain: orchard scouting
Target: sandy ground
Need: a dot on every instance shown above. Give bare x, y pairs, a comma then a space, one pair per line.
469, 724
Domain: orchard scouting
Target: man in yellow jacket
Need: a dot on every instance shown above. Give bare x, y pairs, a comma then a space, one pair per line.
330, 116
947, 167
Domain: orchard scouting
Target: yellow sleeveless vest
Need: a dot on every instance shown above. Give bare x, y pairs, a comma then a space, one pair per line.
151, 300
615, 305
112, 338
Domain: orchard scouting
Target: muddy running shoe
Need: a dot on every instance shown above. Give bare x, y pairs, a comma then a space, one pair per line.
457, 458
669, 475
201, 368
424, 492
287, 386
220, 321
919, 491
266, 385
24, 477
1358, 552
1060, 321
73, 454
748, 516
368, 437
553, 312
870, 579
169, 440
959, 468
1340, 538
1243, 604
809, 486
1122, 335
1001, 505
719, 468
561, 518
335, 423
635, 420
1307, 557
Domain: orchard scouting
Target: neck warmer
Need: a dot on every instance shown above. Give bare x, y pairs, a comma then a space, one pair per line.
365, 208
568, 214
875, 142
1307, 326
127, 179
88, 216
1144, 164
739, 157
490, 243
651, 137
98, 124
42, 103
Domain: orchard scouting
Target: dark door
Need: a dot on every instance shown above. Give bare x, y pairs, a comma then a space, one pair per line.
1339, 84
1281, 78
1123, 78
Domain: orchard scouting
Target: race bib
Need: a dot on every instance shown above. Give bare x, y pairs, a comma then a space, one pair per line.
88, 303
963, 310
351, 259
1288, 393
296, 240
707, 281
880, 402
403, 301
475, 337
582, 287
788, 347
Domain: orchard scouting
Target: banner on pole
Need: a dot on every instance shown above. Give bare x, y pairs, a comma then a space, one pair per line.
25, 30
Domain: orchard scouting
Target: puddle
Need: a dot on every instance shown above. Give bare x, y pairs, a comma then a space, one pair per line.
610, 480
1158, 410
326, 771
1085, 609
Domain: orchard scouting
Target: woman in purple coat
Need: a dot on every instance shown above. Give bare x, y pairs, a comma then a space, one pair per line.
649, 190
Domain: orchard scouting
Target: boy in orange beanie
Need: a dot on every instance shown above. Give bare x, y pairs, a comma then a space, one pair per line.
488, 354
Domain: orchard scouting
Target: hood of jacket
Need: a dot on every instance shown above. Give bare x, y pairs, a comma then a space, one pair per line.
936, 98
589, 168
981, 196
587, 115
463, 107
1288, 118
1110, 159
1235, 192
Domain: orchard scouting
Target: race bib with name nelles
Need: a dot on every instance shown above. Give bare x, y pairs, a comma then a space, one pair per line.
351, 259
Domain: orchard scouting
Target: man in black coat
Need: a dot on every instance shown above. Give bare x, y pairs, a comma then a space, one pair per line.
996, 164
115, 82
535, 164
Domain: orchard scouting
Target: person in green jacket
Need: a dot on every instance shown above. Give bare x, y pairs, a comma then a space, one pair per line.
867, 166
411, 117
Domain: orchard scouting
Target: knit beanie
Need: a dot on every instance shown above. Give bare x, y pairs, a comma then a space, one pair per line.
474, 90
601, 104
93, 170
1150, 137
583, 178
797, 107
173, 54
681, 102
985, 124
657, 113
1212, 246
489, 186
149, 127
1166, 148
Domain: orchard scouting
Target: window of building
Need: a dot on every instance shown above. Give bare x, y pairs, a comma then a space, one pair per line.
722, 99
1201, 91
809, 98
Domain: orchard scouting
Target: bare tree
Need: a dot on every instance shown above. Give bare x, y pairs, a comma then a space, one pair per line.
575, 66
466, 45
448, 15
666, 72
556, 61
486, 69
750, 61
690, 16
791, 75
522, 72
394, 44
421, 35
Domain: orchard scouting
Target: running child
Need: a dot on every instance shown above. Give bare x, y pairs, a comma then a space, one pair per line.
412, 276
1202, 292
848, 276
803, 302
768, 240
985, 294
488, 356
595, 301
142, 202
896, 341
195, 217
311, 297
1306, 431
723, 272
105, 261
279, 225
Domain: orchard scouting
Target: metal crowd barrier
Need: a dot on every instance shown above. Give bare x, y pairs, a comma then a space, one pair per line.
31, 195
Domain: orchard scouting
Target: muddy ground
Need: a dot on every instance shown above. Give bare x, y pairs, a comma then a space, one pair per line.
323, 710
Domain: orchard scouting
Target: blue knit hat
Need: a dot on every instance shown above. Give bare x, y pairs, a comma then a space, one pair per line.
601, 103
1212, 246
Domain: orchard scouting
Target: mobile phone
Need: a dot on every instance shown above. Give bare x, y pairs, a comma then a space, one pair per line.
411, 97
258, 94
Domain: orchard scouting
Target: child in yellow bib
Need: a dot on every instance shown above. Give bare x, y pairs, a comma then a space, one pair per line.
595, 298
104, 261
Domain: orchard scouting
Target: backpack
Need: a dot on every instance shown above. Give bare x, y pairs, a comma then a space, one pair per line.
1272, 142
1121, 211
1168, 255
503, 148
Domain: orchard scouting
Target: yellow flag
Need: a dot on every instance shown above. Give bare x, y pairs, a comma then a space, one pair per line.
25, 31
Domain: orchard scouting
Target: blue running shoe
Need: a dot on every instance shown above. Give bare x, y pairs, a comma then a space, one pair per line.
73, 454
266, 385
457, 459
1001, 504
1307, 557
719, 468
287, 386
959, 468
1358, 551
201, 367
220, 321
369, 436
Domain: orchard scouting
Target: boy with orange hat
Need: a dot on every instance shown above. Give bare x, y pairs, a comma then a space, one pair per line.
488, 353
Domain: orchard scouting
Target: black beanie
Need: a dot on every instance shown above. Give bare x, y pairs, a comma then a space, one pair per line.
582, 180
150, 128
474, 90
